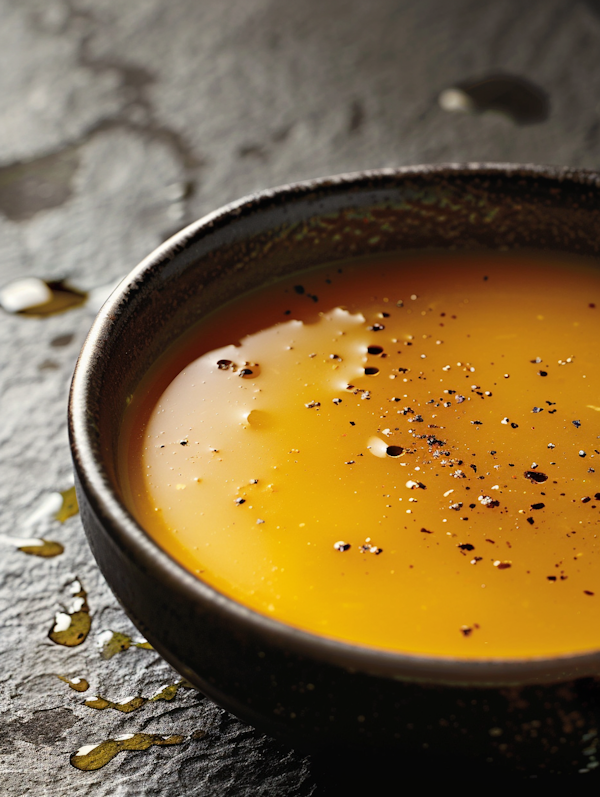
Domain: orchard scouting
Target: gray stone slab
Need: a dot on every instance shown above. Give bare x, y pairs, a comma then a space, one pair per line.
121, 122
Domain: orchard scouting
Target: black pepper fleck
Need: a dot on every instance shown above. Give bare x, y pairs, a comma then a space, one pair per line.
535, 476
394, 451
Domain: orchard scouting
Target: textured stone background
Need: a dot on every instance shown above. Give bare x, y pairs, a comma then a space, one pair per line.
119, 123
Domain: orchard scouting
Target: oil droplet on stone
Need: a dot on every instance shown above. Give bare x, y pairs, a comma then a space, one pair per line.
113, 642
72, 626
25, 293
69, 506
169, 692
125, 706
95, 756
34, 546
44, 548
77, 684
39, 298
520, 99
130, 704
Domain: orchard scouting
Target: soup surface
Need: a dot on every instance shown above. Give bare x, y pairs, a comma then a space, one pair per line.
399, 453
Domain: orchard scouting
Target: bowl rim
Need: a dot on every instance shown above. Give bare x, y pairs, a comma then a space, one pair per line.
129, 536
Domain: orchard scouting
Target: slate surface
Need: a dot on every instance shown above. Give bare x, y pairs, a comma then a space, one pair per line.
119, 123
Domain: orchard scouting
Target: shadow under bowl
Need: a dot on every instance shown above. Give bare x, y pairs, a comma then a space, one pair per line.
537, 714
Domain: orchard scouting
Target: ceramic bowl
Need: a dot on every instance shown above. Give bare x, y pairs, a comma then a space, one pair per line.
534, 714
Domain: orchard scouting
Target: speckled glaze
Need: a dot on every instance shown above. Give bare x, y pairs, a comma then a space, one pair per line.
536, 715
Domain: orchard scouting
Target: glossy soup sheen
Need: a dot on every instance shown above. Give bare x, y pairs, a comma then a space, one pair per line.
397, 453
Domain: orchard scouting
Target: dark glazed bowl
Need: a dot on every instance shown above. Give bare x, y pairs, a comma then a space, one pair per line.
534, 714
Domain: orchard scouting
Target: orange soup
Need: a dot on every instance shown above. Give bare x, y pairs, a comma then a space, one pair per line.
401, 453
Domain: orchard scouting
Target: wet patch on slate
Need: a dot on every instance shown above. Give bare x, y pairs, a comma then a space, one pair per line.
62, 340
45, 727
516, 97
356, 116
252, 151
137, 113
262, 150
28, 187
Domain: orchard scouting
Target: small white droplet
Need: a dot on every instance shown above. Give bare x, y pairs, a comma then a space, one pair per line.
62, 622
455, 100
24, 294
